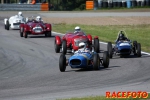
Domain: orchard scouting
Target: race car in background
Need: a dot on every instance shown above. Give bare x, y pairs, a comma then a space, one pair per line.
82, 59
35, 27
71, 40
124, 47
14, 21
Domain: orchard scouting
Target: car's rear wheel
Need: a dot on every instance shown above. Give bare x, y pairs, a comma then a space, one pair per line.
96, 62
7, 25
105, 59
64, 46
21, 32
62, 63
138, 50
109, 49
96, 45
25, 34
57, 47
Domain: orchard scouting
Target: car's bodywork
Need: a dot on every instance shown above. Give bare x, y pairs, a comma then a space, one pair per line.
123, 48
33, 27
71, 41
14, 22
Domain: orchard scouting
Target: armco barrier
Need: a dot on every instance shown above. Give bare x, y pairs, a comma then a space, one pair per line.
118, 3
24, 7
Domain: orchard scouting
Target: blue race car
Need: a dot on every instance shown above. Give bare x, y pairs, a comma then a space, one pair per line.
123, 46
84, 60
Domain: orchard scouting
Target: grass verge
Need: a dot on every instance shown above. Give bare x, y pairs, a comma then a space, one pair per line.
140, 33
104, 98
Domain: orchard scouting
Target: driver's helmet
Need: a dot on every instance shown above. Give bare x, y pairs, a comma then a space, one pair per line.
121, 36
20, 13
38, 18
81, 45
77, 29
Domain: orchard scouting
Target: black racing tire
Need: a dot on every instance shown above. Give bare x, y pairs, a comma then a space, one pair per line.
105, 59
21, 31
96, 62
26, 35
49, 33
138, 50
96, 45
64, 46
62, 63
45, 34
57, 47
134, 47
109, 49
7, 25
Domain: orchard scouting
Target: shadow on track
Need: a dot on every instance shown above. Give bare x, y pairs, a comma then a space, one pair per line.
90, 69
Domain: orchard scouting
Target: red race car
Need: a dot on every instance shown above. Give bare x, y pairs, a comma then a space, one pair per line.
71, 40
35, 27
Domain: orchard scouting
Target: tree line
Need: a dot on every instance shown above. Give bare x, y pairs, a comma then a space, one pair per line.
67, 4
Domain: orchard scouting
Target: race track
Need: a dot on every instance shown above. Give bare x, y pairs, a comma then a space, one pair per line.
29, 70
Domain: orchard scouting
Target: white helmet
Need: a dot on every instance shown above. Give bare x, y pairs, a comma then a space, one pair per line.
20, 13
77, 28
81, 45
38, 18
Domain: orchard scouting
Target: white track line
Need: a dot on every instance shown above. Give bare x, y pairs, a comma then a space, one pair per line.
101, 43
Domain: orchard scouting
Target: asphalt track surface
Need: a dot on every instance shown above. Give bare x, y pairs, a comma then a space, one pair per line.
29, 70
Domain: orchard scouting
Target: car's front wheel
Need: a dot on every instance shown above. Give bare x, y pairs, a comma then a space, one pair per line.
105, 59
49, 34
62, 63
138, 50
25, 34
109, 49
21, 32
134, 47
96, 62
7, 25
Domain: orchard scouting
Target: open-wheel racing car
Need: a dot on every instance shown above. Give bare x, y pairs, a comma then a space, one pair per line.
14, 21
35, 27
71, 40
84, 59
123, 46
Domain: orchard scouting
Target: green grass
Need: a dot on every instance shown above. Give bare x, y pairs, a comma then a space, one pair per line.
140, 33
104, 98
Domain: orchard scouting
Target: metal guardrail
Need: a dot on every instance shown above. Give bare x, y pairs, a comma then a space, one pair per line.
20, 7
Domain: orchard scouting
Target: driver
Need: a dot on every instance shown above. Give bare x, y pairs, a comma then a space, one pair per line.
20, 14
122, 37
77, 29
38, 18
82, 48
